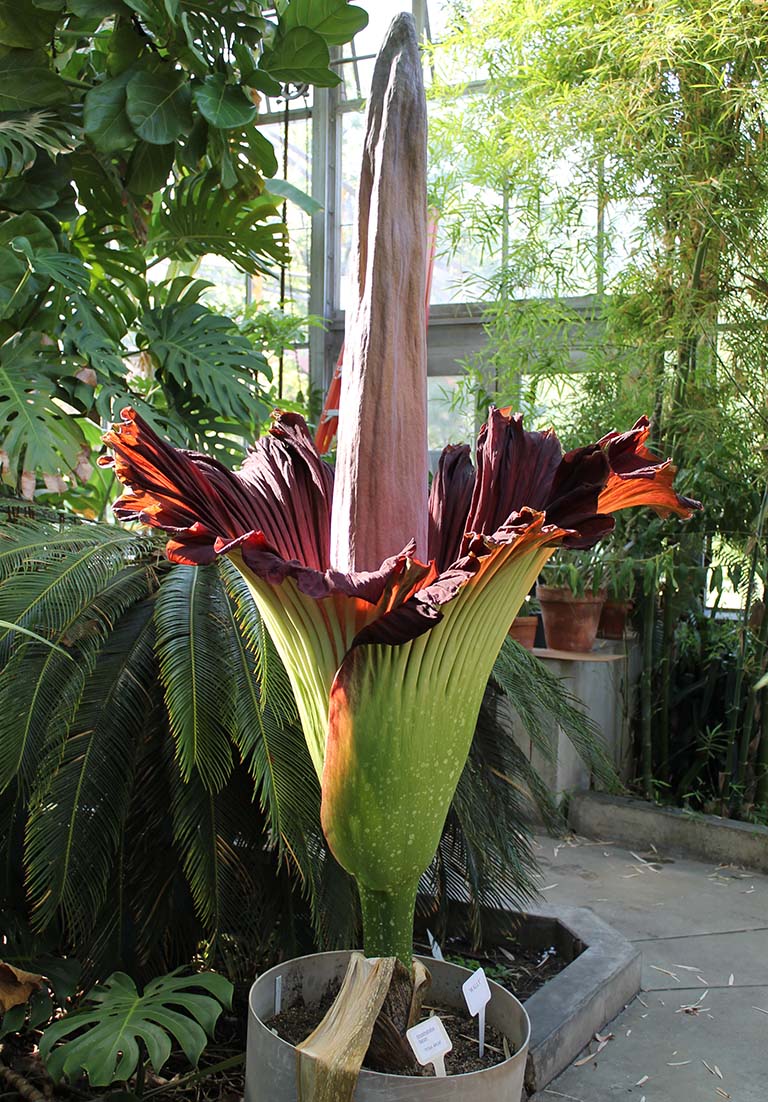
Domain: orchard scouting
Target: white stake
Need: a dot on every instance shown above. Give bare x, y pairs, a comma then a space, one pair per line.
477, 994
278, 994
430, 1043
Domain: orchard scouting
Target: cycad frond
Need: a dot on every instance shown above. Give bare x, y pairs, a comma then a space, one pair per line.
49, 580
217, 835
77, 815
192, 616
274, 684
269, 738
147, 924
40, 687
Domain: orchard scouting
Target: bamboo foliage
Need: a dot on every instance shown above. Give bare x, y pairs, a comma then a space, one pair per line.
626, 152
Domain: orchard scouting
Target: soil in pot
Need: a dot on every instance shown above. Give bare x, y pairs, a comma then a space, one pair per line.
298, 1021
521, 969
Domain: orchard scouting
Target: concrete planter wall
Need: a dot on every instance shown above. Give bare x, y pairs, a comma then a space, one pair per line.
271, 1062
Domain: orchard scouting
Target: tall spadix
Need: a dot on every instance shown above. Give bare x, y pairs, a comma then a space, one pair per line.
382, 464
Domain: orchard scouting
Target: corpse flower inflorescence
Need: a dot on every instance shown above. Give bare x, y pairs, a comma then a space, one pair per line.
387, 601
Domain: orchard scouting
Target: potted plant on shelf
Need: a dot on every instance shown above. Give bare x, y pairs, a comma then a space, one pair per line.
572, 596
619, 578
526, 624
388, 606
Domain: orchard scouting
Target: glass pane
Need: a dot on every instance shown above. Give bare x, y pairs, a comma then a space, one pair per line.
451, 420
352, 134
267, 288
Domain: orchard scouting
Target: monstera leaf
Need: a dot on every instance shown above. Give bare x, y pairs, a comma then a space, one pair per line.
198, 217
202, 355
102, 1038
22, 135
35, 433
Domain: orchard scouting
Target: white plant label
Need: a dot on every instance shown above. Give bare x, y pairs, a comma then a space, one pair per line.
430, 1043
278, 994
477, 995
434, 946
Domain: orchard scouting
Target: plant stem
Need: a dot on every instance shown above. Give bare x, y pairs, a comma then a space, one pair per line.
668, 642
761, 767
388, 922
646, 689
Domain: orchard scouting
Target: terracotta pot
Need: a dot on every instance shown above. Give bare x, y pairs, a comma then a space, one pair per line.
613, 619
570, 623
270, 1070
523, 630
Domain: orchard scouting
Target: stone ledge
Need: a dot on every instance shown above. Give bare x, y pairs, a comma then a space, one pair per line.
602, 977
671, 830
578, 1002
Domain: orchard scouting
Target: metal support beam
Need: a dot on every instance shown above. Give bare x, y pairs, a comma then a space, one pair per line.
322, 235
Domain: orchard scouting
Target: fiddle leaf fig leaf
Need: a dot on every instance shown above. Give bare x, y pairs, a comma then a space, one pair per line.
300, 55
223, 105
101, 1039
23, 24
157, 104
336, 20
104, 117
27, 81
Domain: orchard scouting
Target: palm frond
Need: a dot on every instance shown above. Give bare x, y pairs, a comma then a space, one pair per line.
213, 832
192, 615
51, 585
147, 924
261, 717
78, 811
40, 688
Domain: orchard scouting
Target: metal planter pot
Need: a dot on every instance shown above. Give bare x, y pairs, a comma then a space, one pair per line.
271, 1062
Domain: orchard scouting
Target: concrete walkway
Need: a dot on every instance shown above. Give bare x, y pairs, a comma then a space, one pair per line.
695, 1033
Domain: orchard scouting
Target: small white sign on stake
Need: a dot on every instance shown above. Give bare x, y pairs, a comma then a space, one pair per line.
278, 994
434, 946
430, 1043
477, 995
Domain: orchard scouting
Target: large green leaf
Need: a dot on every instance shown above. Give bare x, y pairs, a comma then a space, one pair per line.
198, 217
203, 354
21, 235
157, 104
336, 20
104, 115
22, 135
300, 55
102, 1038
223, 105
287, 190
27, 81
149, 167
35, 433
23, 24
